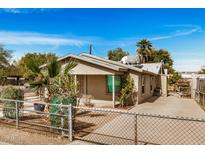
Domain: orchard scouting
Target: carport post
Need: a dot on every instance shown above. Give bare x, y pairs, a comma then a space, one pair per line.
113, 90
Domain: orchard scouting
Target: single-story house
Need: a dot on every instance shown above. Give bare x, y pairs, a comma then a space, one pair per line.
100, 79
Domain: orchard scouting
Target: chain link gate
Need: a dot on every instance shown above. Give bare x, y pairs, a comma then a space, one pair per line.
104, 126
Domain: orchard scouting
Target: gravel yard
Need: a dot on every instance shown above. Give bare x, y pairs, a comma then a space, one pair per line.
85, 122
27, 136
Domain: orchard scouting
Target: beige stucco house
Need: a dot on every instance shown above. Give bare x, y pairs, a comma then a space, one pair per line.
94, 75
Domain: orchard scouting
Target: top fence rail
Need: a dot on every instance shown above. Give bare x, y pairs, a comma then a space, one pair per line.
112, 110
31, 102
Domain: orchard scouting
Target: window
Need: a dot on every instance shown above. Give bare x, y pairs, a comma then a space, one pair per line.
143, 84
151, 88
110, 84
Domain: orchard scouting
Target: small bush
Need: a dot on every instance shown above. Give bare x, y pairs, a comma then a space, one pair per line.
9, 106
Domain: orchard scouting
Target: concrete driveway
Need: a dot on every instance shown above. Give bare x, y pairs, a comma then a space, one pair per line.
154, 130
171, 106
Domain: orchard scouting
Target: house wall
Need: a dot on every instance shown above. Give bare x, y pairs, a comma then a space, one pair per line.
150, 80
158, 81
95, 86
136, 92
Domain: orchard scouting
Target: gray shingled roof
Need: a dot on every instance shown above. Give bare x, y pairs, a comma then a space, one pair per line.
152, 67
117, 66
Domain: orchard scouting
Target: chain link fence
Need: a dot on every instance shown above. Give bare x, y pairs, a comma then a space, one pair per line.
102, 126
200, 93
200, 99
157, 129
110, 126
23, 115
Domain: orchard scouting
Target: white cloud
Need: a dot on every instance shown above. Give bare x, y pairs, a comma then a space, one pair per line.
188, 31
131, 41
24, 11
30, 38
189, 64
11, 10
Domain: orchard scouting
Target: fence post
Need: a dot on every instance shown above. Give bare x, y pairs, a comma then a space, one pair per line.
203, 100
62, 120
70, 122
136, 121
17, 115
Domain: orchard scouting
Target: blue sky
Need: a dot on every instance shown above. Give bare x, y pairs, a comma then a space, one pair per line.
64, 31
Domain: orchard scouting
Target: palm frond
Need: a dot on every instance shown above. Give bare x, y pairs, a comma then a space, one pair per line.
53, 68
69, 67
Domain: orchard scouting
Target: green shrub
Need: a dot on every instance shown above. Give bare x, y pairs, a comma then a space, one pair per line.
174, 78
56, 121
126, 90
9, 106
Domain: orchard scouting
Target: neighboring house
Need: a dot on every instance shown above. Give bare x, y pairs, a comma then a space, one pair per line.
195, 80
188, 75
100, 79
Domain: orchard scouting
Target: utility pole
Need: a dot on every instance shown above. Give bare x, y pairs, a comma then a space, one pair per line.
90, 49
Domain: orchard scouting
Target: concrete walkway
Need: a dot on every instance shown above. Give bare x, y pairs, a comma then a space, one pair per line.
121, 130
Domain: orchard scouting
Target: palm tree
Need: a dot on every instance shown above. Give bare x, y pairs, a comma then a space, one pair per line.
44, 76
145, 49
69, 67
52, 80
